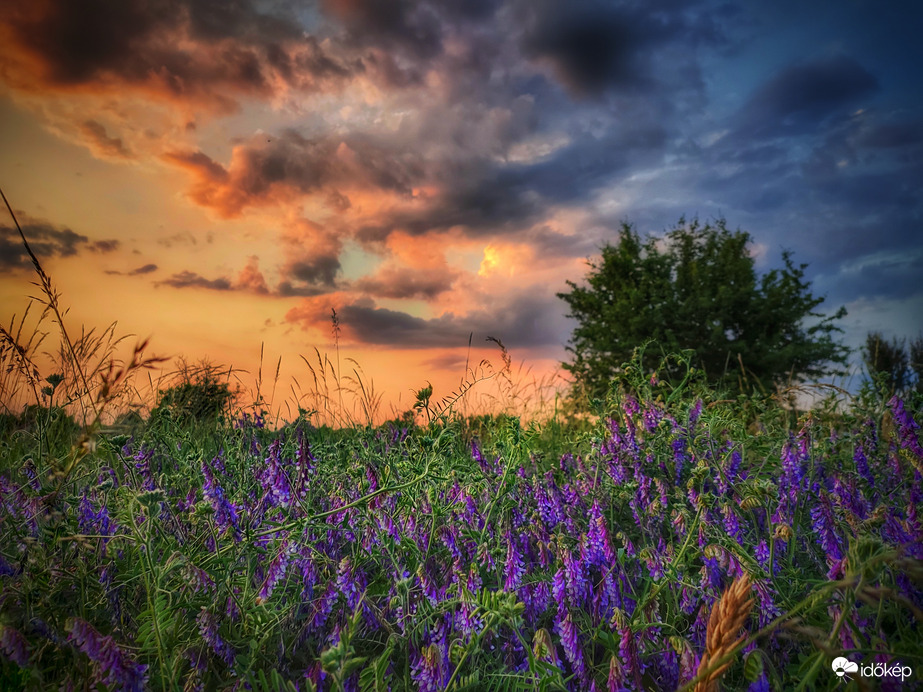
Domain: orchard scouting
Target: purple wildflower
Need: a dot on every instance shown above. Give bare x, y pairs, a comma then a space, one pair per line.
599, 551
628, 651
695, 412
652, 417
14, 645
208, 628
95, 522
862, 466
350, 582
324, 605
577, 583
762, 554
225, 512
850, 497
425, 670
732, 524
761, 684
570, 641
615, 682
274, 479
688, 601
514, 568
712, 578
907, 427
115, 668
143, 463
767, 608
275, 572
679, 456
822, 521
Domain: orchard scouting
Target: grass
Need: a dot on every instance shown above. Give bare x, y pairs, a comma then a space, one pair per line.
677, 539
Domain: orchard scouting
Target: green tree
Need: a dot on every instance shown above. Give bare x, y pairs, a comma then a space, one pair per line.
697, 289
891, 366
199, 395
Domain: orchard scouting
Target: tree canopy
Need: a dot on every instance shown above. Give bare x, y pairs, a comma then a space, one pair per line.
892, 366
696, 288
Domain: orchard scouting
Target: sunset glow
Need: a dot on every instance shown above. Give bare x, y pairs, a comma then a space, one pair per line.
222, 177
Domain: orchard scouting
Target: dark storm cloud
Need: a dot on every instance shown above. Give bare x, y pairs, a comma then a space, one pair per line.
892, 135
188, 279
411, 27
178, 49
47, 241
880, 275
520, 321
320, 271
800, 97
489, 198
597, 46
593, 48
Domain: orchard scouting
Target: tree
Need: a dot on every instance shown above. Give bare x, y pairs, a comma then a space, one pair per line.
697, 289
891, 366
199, 395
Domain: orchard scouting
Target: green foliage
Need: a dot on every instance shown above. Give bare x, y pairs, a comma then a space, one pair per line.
892, 367
698, 291
200, 396
398, 532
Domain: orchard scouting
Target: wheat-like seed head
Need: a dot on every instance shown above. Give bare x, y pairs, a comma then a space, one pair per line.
721, 637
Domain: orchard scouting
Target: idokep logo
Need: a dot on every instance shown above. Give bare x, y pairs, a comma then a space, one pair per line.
843, 667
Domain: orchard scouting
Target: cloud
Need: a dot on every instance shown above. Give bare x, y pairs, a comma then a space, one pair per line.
800, 97
188, 279
320, 270
104, 246
139, 271
251, 278
101, 143
425, 283
176, 50
525, 320
47, 241
265, 171
598, 48
412, 28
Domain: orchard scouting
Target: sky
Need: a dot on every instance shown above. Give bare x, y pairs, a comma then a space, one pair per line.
221, 176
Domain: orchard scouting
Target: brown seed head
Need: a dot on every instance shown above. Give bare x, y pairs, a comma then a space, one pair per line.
721, 637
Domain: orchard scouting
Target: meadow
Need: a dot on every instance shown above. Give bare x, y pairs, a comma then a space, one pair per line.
669, 538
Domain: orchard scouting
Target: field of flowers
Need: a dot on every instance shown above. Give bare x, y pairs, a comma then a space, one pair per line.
430, 557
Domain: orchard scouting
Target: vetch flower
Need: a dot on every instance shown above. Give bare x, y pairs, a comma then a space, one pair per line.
225, 512
208, 628
628, 652
14, 646
115, 668
822, 521
514, 568
732, 524
907, 427
275, 572
274, 479
567, 630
